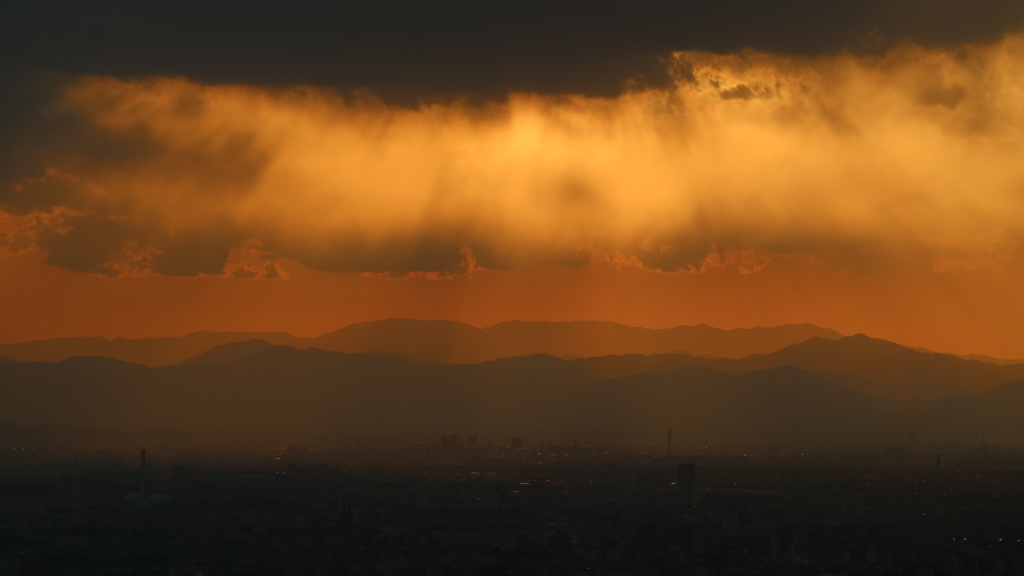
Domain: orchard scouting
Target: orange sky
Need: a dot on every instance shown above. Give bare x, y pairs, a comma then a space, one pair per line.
941, 312
881, 194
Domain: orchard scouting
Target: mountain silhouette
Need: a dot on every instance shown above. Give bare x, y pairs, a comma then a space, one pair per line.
14, 435
455, 343
991, 360
230, 351
444, 342
783, 404
256, 388
430, 340
876, 367
886, 369
994, 417
146, 351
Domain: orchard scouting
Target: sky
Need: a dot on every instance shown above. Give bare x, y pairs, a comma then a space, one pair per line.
303, 166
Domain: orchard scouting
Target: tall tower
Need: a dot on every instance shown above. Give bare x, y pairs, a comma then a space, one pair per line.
668, 441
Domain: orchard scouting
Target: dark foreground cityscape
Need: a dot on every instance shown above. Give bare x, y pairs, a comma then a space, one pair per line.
464, 507
802, 452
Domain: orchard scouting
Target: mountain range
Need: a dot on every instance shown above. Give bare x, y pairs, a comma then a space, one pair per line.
846, 389
443, 342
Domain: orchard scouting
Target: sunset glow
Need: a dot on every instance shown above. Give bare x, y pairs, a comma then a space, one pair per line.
393, 287
875, 193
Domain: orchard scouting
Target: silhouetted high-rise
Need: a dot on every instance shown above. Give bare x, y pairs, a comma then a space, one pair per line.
449, 441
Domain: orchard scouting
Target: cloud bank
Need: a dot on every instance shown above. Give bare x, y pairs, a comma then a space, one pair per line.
911, 156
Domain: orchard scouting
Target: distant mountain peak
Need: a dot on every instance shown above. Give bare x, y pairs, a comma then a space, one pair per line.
861, 341
410, 322
441, 341
230, 352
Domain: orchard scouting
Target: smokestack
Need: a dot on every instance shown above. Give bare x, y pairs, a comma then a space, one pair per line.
938, 463
668, 441
142, 475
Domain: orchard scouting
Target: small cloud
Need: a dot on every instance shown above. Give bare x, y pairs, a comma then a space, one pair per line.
743, 261
756, 90
248, 259
132, 261
938, 95
468, 267
947, 265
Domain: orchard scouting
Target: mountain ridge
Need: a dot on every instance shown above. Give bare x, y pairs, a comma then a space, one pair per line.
281, 388
441, 341
871, 365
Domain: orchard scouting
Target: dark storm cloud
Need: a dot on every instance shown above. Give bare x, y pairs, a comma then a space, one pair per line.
111, 246
86, 245
409, 50
742, 158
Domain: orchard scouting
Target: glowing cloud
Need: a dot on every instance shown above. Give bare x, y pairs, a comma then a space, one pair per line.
914, 154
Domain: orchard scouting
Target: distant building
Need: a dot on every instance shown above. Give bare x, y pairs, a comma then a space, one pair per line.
143, 497
516, 444
449, 441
